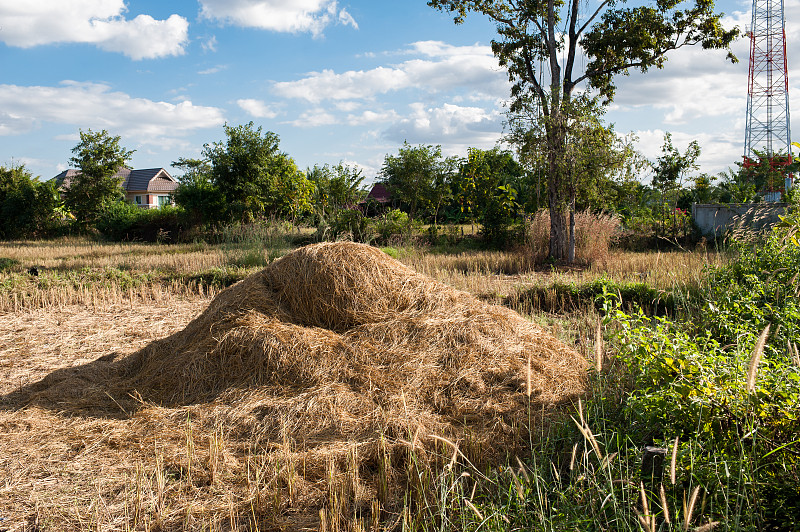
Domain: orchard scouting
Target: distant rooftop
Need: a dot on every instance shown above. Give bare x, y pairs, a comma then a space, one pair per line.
142, 180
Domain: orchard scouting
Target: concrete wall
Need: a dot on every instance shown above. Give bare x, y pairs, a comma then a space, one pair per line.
714, 220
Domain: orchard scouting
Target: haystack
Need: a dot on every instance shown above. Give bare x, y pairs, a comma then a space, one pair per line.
407, 350
335, 351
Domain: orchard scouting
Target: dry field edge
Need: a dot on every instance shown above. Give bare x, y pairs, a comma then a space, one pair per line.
182, 467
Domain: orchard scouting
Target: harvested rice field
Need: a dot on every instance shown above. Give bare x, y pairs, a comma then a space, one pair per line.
329, 391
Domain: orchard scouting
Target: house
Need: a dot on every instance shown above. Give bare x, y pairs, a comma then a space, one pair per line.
376, 201
149, 188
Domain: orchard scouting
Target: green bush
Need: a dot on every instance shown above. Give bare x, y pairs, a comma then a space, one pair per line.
28, 207
760, 287
351, 224
7, 264
695, 388
123, 221
395, 222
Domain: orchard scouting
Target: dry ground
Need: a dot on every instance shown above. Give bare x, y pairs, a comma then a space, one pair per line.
51, 474
61, 471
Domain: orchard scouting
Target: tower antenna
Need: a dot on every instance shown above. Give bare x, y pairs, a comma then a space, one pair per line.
767, 132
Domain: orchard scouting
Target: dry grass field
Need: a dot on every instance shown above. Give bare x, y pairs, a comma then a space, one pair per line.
137, 462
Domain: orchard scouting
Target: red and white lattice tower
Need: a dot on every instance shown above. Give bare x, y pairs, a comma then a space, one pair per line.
767, 129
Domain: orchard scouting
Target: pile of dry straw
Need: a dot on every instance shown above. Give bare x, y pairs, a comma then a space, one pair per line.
334, 358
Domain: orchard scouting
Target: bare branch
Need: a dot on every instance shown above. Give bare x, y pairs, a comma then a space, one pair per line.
594, 16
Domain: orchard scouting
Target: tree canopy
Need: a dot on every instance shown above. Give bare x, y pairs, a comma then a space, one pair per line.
254, 177
540, 42
335, 187
485, 184
27, 206
418, 176
202, 201
99, 156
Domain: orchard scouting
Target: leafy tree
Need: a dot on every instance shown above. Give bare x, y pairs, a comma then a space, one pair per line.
734, 189
418, 177
463, 185
538, 43
703, 190
335, 187
196, 194
98, 156
254, 177
669, 170
489, 177
596, 160
28, 207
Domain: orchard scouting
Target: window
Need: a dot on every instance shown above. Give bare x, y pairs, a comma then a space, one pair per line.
163, 200
138, 200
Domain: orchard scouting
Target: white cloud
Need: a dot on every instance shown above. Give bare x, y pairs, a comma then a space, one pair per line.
293, 16
694, 84
314, 118
11, 124
210, 44
354, 84
699, 95
346, 106
98, 22
452, 125
212, 70
95, 106
447, 68
256, 108
372, 117
718, 150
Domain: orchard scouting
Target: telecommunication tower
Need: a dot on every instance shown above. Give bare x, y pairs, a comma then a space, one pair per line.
767, 130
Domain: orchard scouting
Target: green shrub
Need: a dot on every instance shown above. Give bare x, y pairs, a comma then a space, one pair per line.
759, 287
7, 264
695, 388
123, 221
393, 223
700, 383
351, 224
28, 208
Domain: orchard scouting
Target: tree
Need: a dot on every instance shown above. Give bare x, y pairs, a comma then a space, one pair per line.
735, 187
669, 170
335, 187
418, 177
28, 207
196, 194
596, 160
703, 190
254, 177
614, 39
98, 156
488, 178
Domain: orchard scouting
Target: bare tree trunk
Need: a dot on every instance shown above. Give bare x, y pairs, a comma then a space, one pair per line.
571, 253
558, 193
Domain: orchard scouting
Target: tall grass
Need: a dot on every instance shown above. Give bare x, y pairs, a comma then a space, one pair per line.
594, 233
254, 244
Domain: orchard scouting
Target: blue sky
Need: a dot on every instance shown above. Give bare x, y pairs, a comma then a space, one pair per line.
343, 80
